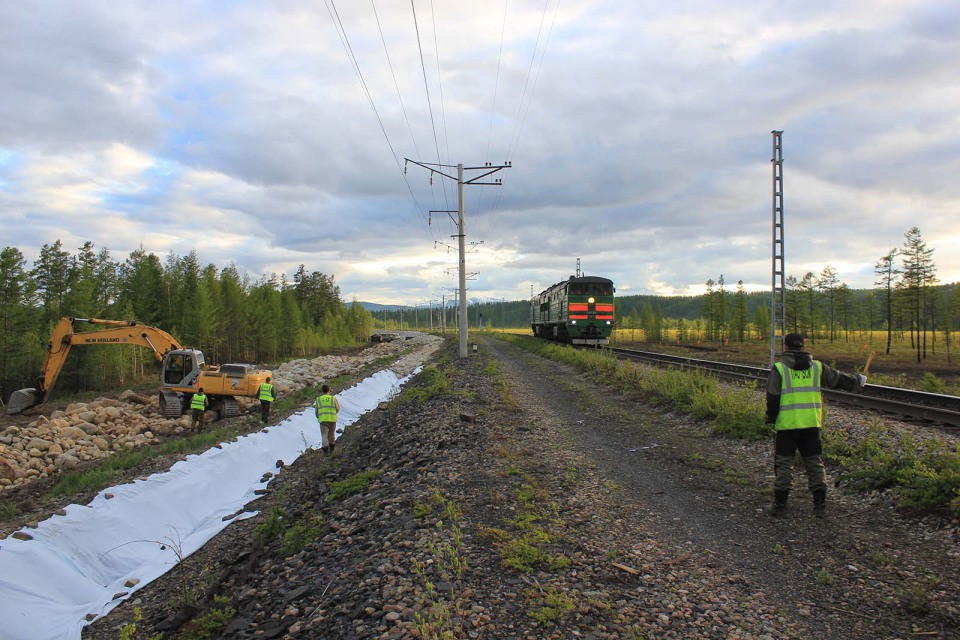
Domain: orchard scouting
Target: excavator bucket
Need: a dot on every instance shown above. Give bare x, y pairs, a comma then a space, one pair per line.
23, 399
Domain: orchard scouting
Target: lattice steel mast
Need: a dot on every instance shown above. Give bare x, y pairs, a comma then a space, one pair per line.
778, 306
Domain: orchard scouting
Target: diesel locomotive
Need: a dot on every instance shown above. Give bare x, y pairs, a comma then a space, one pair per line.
578, 310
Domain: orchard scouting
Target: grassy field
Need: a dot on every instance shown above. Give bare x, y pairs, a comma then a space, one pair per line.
938, 372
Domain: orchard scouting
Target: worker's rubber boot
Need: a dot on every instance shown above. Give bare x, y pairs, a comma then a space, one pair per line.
333, 445
820, 503
779, 506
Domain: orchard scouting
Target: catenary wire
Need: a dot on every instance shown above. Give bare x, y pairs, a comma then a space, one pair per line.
345, 41
426, 85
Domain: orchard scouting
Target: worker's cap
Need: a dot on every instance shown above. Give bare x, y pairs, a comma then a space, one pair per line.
794, 340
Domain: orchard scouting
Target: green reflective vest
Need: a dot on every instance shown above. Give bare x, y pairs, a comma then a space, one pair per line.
801, 404
199, 401
326, 409
266, 392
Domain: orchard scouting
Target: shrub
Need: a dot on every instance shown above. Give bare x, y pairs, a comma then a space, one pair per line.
354, 484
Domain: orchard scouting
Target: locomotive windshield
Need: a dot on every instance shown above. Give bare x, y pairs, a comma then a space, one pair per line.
591, 289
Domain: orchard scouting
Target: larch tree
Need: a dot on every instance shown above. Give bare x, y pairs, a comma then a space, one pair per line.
827, 283
886, 273
918, 276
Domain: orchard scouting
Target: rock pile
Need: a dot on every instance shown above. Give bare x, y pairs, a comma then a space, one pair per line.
86, 431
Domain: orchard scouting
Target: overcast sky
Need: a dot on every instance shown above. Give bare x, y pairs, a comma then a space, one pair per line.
273, 134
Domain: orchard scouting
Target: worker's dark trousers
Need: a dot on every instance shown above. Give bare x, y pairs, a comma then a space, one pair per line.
265, 410
787, 443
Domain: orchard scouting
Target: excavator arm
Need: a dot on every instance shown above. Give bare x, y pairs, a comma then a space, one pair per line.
64, 337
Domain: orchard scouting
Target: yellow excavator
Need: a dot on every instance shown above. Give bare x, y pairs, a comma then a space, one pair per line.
182, 371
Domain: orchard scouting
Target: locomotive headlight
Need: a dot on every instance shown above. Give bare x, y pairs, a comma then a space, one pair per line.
608, 322
591, 300
573, 322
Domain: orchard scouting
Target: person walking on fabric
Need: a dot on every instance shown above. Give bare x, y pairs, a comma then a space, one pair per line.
327, 407
795, 408
266, 398
198, 405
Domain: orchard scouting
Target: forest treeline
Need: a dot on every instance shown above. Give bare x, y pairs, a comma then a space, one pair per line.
907, 303
225, 314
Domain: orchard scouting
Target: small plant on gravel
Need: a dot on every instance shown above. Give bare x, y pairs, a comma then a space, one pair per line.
434, 501
497, 536
732, 475
432, 382
824, 577
440, 617
549, 605
523, 554
300, 534
7, 511
876, 559
129, 631
354, 484
211, 623
779, 549
504, 451
272, 526
636, 633
916, 598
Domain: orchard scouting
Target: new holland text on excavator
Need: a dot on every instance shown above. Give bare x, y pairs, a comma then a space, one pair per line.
182, 371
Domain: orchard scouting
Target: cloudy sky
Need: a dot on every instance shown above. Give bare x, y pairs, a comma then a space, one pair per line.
273, 134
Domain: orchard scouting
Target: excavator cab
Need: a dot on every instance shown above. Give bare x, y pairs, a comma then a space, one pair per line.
181, 367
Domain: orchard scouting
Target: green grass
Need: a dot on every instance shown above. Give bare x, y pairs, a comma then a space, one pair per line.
342, 489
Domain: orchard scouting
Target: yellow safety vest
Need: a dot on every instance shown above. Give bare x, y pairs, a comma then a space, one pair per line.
266, 392
326, 409
199, 401
801, 403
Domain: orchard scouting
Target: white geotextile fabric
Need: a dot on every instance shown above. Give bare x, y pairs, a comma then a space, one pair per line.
76, 564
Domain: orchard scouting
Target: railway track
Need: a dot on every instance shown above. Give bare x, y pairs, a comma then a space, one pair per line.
920, 405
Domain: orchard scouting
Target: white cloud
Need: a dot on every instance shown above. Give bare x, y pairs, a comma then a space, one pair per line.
640, 140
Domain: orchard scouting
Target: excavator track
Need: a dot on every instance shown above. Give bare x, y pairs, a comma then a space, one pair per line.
231, 408
170, 405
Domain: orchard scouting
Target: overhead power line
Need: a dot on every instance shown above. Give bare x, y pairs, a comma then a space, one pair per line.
345, 41
426, 86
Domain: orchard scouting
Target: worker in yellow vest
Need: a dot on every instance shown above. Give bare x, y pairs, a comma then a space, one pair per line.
795, 408
198, 406
266, 398
327, 407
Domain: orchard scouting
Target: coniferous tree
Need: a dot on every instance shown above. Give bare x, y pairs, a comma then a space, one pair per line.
918, 276
740, 311
808, 308
827, 283
886, 273
142, 287
50, 272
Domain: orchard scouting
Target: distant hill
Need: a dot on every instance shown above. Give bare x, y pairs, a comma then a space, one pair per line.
374, 306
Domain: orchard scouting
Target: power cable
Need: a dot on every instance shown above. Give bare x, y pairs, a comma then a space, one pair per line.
345, 41
426, 85
493, 108
392, 73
